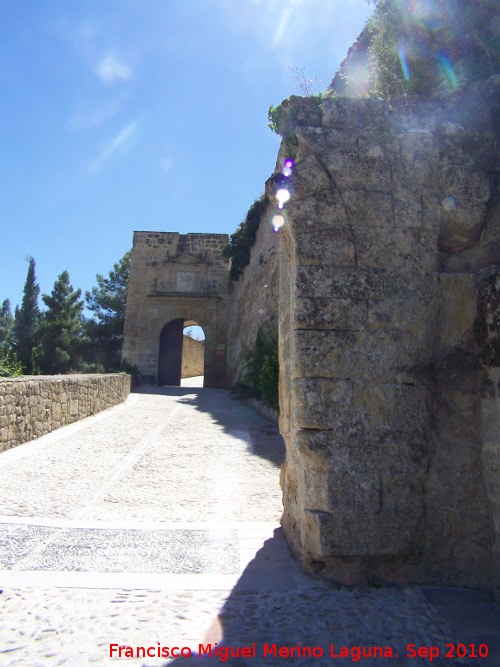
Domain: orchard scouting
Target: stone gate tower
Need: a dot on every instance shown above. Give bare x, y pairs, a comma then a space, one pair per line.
176, 280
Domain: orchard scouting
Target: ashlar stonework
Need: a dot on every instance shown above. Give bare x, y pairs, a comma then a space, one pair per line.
176, 280
389, 364
193, 357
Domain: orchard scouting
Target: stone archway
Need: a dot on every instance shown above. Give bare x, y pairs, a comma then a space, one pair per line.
177, 277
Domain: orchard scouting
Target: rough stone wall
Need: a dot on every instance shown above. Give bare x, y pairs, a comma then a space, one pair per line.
177, 276
193, 357
35, 405
254, 300
389, 267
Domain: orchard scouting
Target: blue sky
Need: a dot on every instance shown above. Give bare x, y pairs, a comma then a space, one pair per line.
123, 115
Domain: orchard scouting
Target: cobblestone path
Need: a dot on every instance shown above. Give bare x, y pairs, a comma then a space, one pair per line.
156, 524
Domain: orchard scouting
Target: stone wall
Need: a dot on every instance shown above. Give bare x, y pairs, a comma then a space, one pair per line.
177, 277
385, 282
193, 357
253, 300
31, 406
389, 339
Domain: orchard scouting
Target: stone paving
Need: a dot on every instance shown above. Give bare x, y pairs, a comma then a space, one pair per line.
156, 525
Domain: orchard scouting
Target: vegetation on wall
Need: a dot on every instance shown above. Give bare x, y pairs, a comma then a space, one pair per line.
263, 366
238, 247
407, 48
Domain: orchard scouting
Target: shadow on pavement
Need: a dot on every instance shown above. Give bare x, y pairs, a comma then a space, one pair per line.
274, 604
236, 418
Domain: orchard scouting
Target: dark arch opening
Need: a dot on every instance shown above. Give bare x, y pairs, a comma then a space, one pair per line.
179, 358
170, 358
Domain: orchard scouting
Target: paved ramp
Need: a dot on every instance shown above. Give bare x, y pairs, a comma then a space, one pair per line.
156, 524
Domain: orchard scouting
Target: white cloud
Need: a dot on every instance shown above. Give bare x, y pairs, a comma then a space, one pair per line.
121, 144
110, 70
282, 27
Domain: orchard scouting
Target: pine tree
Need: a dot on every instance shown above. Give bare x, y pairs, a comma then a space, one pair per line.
61, 342
6, 326
108, 302
9, 365
27, 320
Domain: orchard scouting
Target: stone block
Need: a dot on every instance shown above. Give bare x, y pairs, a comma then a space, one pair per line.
415, 176
457, 310
408, 211
392, 356
408, 310
415, 118
369, 535
328, 142
317, 246
331, 354
460, 226
330, 313
318, 402
339, 282
369, 208
387, 408
326, 211
490, 433
374, 504
354, 114
363, 174
309, 177
465, 183
399, 249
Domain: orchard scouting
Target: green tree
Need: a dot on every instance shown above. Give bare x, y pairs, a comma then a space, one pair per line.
6, 326
26, 321
61, 340
9, 364
108, 301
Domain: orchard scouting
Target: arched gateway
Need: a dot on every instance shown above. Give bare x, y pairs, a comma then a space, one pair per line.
176, 279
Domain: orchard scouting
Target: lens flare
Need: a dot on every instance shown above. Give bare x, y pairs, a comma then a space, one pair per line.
449, 203
282, 196
375, 151
447, 69
287, 171
404, 62
288, 163
278, 220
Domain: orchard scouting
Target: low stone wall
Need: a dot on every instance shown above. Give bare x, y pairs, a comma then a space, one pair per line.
31, 406
193, 357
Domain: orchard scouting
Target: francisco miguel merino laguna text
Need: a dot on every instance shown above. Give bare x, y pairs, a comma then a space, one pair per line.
223, 653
